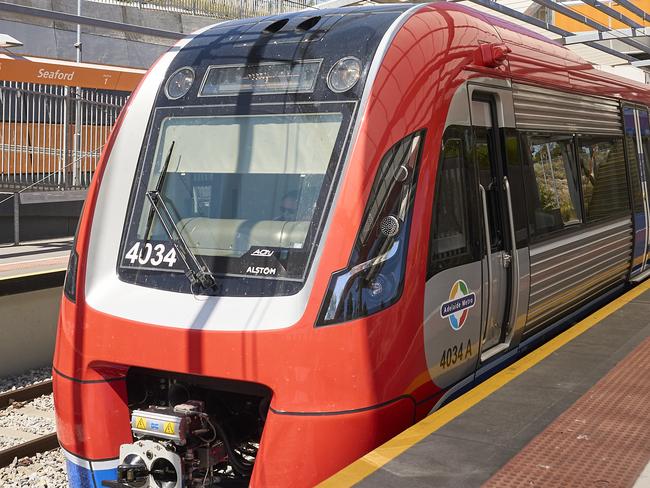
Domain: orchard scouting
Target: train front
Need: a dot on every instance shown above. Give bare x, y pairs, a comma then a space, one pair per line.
212, 328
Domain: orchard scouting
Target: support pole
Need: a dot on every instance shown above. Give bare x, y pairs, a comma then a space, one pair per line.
16, 218
76, 144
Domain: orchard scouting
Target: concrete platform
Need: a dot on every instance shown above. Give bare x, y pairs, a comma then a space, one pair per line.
574, 412
34, 258
31, 277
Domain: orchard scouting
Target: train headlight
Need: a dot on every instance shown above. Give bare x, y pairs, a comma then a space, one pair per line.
344, 74
374, 277
179, 83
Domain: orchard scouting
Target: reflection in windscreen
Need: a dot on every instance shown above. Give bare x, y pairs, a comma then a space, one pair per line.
238, 182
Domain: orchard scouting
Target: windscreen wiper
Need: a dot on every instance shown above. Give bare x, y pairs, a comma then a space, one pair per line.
158, 189
197, 272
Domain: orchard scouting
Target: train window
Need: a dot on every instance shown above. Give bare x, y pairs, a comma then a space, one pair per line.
604, 179
259, 188
454, 239
555, 198
644, 130
245, 194
633, 153
484, 152
516, 175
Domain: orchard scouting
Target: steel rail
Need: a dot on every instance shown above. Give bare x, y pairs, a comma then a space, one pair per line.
44, 443
32, 447
25, 394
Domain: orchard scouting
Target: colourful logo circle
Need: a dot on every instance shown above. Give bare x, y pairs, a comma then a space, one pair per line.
456, 309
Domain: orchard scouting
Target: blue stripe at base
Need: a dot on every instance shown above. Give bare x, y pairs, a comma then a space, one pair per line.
104, 474
80, 477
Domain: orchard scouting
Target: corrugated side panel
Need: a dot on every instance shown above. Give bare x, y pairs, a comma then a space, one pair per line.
543, 109
567, 272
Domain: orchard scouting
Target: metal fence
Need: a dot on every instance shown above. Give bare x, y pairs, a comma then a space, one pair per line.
51, 136
225, 9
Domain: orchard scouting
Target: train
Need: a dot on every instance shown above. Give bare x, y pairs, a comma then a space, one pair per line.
308, 231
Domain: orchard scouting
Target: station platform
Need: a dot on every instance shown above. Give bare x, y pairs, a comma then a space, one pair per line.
41, 257
575, 412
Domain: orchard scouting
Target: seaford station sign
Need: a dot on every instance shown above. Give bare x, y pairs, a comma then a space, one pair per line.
58, 72
55, 75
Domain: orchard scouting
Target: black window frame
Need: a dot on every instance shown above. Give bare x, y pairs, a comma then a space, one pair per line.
587, 219
233, 286
534, 235
634, 184
474, 243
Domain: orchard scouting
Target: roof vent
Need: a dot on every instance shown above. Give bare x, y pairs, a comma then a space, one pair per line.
307, 24
275, 26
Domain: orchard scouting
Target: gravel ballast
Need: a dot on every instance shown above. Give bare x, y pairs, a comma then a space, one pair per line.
34, 417
22, 421
46, 470
31, 377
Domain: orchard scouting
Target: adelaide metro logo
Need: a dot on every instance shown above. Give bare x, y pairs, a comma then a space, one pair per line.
458, 305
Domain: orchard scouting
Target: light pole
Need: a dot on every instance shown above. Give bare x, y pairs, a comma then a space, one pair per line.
76, 144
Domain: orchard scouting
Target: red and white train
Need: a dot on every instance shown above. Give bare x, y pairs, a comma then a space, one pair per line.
308, 231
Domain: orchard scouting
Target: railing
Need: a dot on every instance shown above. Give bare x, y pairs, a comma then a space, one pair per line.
51, 136
225, 9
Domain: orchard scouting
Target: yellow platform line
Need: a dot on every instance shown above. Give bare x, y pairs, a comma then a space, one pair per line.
374, 460
38, 273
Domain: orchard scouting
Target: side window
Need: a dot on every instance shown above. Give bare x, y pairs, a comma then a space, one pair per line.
633, 153
484, 150
454, 229
644, 128
516, 175
555, 198
604, 179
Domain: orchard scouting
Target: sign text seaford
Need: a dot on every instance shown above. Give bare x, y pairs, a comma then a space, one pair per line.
55, 75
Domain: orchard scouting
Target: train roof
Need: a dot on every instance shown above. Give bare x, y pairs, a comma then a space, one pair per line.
533, 58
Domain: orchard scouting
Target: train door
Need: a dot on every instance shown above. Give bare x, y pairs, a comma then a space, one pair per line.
500, 260
471, 240
453, 290
637, 133
643, 136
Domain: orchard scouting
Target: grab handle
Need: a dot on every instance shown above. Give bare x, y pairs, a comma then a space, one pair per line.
488, 254
514, 298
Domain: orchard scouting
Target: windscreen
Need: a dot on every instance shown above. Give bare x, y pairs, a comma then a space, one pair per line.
244, 191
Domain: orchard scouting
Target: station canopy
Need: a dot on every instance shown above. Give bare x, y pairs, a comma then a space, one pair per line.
605, 33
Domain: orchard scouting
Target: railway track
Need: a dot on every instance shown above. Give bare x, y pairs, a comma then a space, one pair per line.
34, 446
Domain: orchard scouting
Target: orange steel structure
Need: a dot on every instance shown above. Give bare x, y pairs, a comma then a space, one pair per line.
563, 22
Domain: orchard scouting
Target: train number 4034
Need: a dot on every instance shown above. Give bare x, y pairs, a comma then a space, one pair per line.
455, 354
147, 253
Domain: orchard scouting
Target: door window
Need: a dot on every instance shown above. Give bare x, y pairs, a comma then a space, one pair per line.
454, 239
633, 154
644, 129
488, 177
